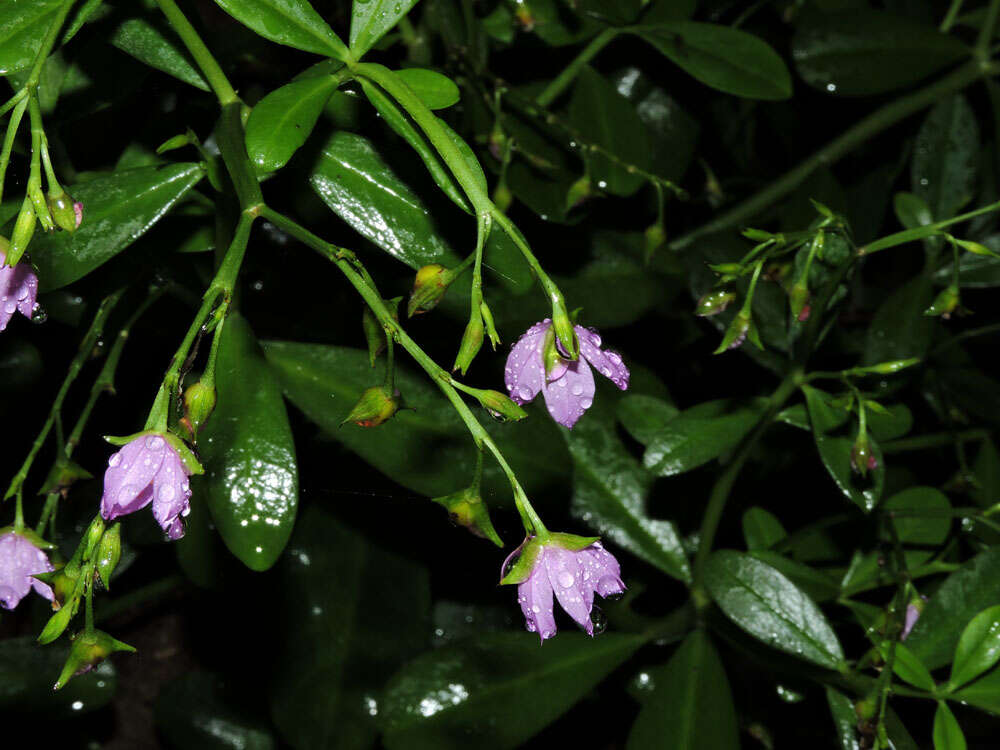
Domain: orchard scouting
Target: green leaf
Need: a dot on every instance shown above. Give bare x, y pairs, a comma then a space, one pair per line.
912, 210
155, 45
907, 666
818, 585
282, 121
987, 472
644, 416
23, 25
964, 593
929, 529
28, 671
761, 529
835, 453
291, 22
435, 90
895, 424
984, 693
251, 476
605, 118
699, 434
372, 19
978, 649
428, 448
496, 691
691, 705
724, 58
199, 711
947, 733
845, 720
117, 209
900, 329
863, 51
771, 608
946, 157
352, 613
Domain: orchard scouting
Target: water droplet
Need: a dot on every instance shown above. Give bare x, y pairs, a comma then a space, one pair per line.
577, 389
9, 306
586, 403
524, 393
599, 620
166, 493
565, 579
536, 609
126, 493
116, 458
509, 564
154, 443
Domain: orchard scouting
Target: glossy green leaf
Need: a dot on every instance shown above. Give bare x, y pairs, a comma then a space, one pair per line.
912, 210
251, 476
987, 472
691, 705
835, 453
983, 693
496, 691
923, 518
698, 435
817, 584
974, 271
372, 19
907, 666
23, 25
946, 157
978, 648
895, 424
643, 416
947, 732
724, 58
28, 671
900, 329
436, 91
965, 593
199, 711
428, 448
352, 613
282, 121
761, 529
556, 27
865, 51
155, 45
845, 720
663, 11
117, 210
291, 22
771, 608
606, 119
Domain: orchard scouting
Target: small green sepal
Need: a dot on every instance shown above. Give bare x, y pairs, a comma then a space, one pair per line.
472, 342
88, 650
521, 562
500, 406
466, 508
376, 406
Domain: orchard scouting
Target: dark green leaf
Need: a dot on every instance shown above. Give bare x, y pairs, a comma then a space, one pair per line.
117, 210
984, 693
964, 593
198, 711
606, 119
844, 719
644, 416
691, 705
428, 448
150, 43
922, 516
771, 608
372, 19
889, 426
291, 22
495, 692
761, 529
900, 329
912, 210
282, 121
817, 585
947, 733
865, 51
724, 58
974, 271
23, 25
987, 472
946, 157
663, 11
435, 90
251, 476
352, 613
978, 649
907, 666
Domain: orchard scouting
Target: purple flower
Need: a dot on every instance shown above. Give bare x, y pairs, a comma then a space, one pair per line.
570, 567
146, 470
568, 387
18, 288
913, 610
20, 559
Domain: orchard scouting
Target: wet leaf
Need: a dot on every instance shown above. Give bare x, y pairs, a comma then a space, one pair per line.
372, 19
282, 121
154, 44
291, 22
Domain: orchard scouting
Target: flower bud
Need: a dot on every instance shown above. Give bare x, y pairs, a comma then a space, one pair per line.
65, 212
563, 327
757, 235
502, 197
655, 236
578, 192
63, 583
913, 612
945, 303
88, 650
491, 329
472, 340
376, 405
727, 269
863, 458
63, 475
466, 508
976, 248
109, 552
714, 302
501, 407
374, 335
24, 228
429, 286
92, 537
798, 300
888, 368
199, 403
739, 330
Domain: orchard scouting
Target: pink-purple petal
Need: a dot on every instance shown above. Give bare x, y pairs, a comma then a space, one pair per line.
19, 561
524, 373
129, 475
571, 395
171, 495
566, 580
535, 598
609, 364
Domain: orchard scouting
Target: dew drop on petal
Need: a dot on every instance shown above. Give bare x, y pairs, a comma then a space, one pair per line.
586, 403
166, 493
536, 609
577, 389
116, 458
565, 579
599, 620
154, 442
524, 393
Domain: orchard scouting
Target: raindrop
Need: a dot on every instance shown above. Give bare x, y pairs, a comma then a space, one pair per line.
577, 389
116, 458
565, 579
599, 620
586, 403
524, 393
154, 442
166, 493
509, 564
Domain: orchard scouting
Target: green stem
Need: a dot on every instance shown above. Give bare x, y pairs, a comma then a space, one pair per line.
928, 230
562, 81
951, 15
859, 133
209, 67
724, 485
12, 102
986, 31
8, 142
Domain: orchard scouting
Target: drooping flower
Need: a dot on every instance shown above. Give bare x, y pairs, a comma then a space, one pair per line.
148, 469
18, 288
567, 567
536, 363
20, 559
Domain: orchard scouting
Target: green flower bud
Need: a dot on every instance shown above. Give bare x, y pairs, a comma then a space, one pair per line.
376, 405
374, 335
578, 192
466, 508
946, 303
863, 458
739, 330
655, 237
109, 552
501, 407
92, 537
65, 212
88, 650
24, 228
976, 248
429, 286
563, 327
798, 300
727, 269
472, 340
888, 368
757, 235
199, 403
714, 302
502, 197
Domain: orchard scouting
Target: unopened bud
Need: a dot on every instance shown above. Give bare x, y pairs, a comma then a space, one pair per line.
888, 368
863, 458
714, 302
109, 552
945, 303
727, 269
655, 236
92, 537
199, 403
466, 508
376, 405
798, 300
578, 192
739, 331
502, 197
976, 248
472, 340
64, 211
501, 407
757, 235
429, 286
88, 650
24, 228
913, 611
563, 327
